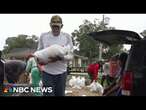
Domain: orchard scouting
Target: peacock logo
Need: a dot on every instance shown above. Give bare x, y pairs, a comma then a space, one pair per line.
8, 88
5, 90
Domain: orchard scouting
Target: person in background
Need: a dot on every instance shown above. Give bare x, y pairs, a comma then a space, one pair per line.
14, 69
114, 67
68, 69
105, 75
34, 71
115, 87
93, 71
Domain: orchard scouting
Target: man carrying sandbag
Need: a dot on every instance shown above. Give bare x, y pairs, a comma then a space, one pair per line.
55, 70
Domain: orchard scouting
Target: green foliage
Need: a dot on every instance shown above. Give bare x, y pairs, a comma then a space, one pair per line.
112, 50
89, 47
21, 41
143, 33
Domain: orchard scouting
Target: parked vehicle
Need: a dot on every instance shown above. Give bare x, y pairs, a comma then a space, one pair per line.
134, 76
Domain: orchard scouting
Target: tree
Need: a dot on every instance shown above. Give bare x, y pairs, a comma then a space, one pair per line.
112, 50
143, 33
84, 42
89, 47
21, 41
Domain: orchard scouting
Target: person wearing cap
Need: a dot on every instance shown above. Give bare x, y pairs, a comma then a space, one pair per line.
55, 70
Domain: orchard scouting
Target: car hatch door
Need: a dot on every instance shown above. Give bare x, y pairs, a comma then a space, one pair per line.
111, 37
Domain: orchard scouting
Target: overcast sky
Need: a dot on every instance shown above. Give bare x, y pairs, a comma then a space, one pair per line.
34, 24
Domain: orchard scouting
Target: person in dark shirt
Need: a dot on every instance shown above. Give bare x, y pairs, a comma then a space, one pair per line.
13, 69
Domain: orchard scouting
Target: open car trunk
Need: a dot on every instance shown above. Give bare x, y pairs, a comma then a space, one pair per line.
111, 37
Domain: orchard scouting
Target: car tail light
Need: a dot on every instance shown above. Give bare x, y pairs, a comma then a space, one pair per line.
127, 82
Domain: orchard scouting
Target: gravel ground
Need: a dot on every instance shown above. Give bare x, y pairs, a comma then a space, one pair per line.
80, 92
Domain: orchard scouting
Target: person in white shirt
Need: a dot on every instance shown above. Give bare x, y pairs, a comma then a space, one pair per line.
106, 72
55, 70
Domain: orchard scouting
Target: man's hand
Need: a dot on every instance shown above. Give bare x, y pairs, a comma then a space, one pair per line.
50, 60
41, 61
54, 59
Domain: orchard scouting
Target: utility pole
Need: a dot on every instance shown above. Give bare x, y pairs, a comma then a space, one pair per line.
105, 21
100, 44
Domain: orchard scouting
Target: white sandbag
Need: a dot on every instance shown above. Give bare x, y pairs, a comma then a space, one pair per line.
92, 86
100, 89
82, 82
52, 51
96, 87
78, 83
72, 81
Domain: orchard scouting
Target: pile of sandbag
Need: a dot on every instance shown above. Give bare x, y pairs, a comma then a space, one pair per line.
96, 87
77, 82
